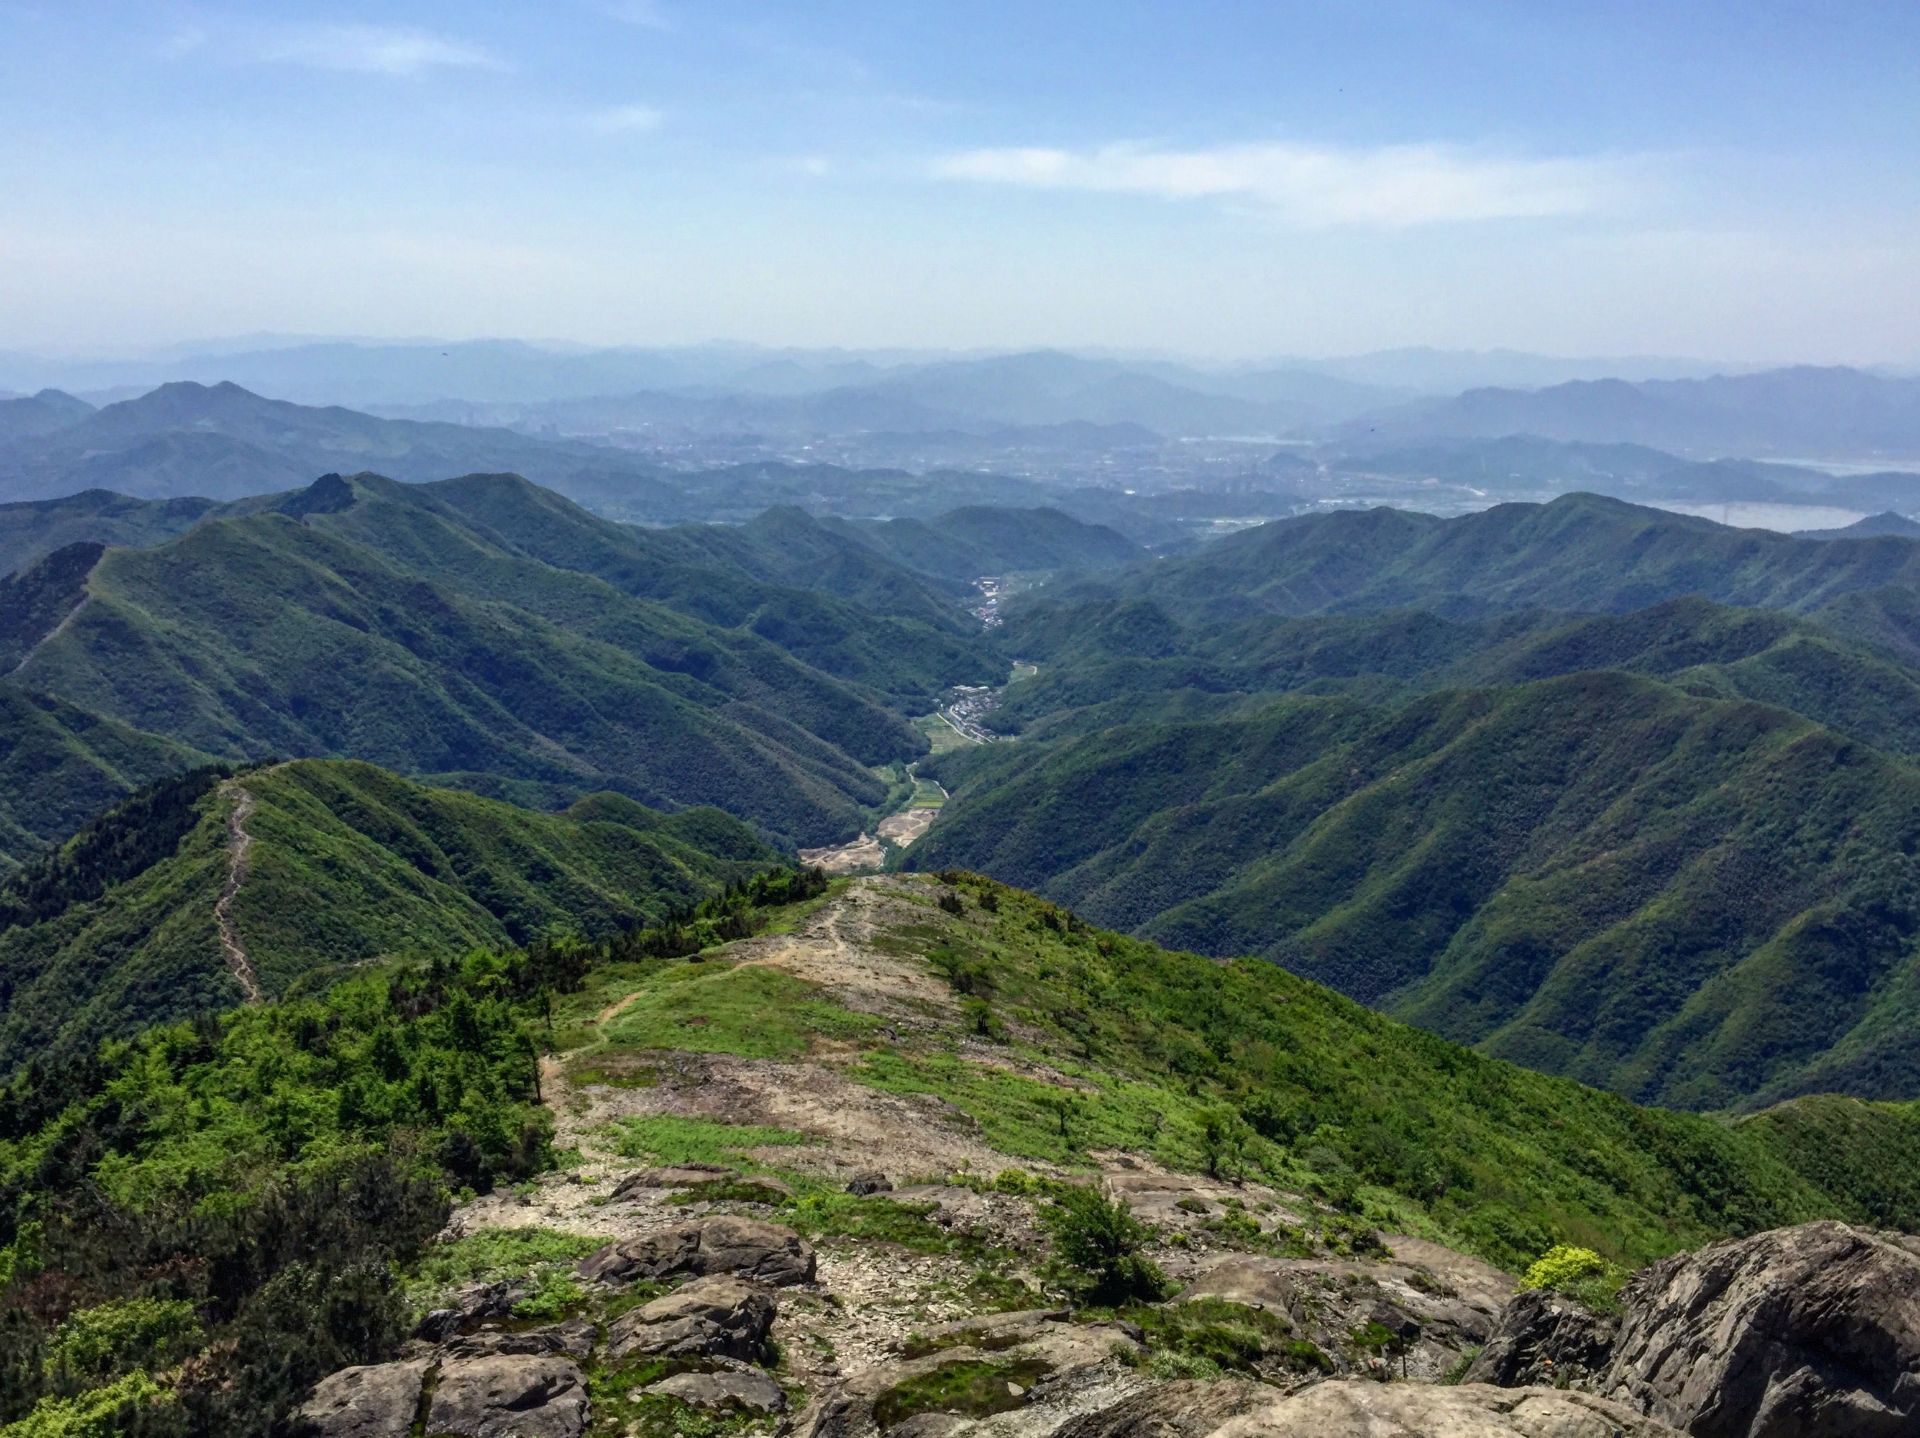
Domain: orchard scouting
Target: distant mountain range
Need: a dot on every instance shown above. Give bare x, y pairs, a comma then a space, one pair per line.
1804, 412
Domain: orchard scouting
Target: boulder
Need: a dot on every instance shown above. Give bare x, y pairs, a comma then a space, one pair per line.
380, 1400
1546, 1339
767, 1253
693, 1178
573, 1339
1183, 1409
869, 1181
1032, 1363
1326, 1301
681, 1175
510, 1396
754, 1392
1352, 1409
711, 1317
991, 1332
1808, 1332
472, 1304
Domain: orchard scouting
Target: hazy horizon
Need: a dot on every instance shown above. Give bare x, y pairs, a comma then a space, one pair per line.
1220, 180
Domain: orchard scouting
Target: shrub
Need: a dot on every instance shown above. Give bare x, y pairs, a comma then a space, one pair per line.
1580, 1273
134, 1404
1099, 1242
96, 1344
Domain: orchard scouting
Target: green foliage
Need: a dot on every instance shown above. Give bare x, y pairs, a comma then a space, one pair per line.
253, 1178
129, 1407
751, 1010
101, 1343
1396, 1125
1577, 1272
673, 1139
541, 1258
1694, 901
60, 766
872, 1218
973, 1388
1100, 1244
1228, 1336
391, 623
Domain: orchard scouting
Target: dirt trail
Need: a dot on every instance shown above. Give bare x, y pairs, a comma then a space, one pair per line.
239, 842
53, 633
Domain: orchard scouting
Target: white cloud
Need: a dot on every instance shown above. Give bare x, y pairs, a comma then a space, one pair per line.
368, 49
1390, 187
625, 120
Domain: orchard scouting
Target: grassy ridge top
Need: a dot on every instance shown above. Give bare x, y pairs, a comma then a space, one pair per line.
1502, 1160
346, 862
1063, 1044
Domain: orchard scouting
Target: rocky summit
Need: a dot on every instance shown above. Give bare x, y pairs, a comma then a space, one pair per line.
1808, 1330
841, 1179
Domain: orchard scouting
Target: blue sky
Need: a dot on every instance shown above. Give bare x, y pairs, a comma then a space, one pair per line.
1239, 179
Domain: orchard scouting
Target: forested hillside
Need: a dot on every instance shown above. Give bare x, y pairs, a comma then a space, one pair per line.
360, 619
212, 888
1693, 901
1577, 553
1663, 845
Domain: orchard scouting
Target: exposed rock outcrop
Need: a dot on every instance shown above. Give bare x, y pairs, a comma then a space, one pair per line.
378, 1400
1183, 1409
470, 1305
754, 1392
711, 1317
767, 1253
1547, 1339
573, 1339
510, 1397
482, 1385
1349, 1409
1012, 1363
1798, 1333
1429, 1324
1808, 1332
869, 1180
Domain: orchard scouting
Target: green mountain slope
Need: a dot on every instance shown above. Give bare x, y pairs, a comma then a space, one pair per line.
59, 764
783, 576
1096, 660
1578, 553
1693, 901
828, 600
343, 862
32, 529
284, 634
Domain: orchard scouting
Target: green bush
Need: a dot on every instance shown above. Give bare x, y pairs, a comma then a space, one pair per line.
1099, 1243
99, 1343
132, 1405
1580, 1273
